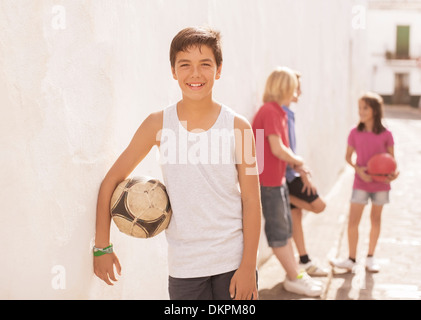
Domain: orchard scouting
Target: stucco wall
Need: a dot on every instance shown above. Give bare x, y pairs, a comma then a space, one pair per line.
78, 77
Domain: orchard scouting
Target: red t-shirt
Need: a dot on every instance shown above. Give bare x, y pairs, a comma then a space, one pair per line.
274, 121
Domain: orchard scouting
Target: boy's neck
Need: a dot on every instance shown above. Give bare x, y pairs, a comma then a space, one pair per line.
200, 115
285, 103
197, 107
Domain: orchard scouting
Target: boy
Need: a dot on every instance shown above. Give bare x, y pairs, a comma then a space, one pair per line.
302, 195
279, 90
215, 226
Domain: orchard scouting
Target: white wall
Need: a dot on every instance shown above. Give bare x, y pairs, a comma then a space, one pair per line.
72, 98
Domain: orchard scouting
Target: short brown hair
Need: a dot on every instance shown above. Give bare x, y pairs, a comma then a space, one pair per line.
375, 102
196, 36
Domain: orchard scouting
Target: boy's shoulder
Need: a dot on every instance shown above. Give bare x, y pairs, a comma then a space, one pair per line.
240, 121
271, 111
155, 117
271, 108
154, 121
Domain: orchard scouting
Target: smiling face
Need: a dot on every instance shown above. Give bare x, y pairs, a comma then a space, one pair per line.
365, 112
196, 71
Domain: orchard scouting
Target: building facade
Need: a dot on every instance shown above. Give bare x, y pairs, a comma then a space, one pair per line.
394, 44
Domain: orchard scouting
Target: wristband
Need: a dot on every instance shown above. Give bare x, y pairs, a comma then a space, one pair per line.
99, 252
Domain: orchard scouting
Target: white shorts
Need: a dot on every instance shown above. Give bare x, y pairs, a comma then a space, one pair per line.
378, 198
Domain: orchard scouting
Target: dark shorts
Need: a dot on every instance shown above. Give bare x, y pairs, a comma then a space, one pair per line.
204, 288
295, 188
277, 214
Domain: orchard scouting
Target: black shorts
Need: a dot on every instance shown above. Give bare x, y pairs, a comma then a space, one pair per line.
295, 188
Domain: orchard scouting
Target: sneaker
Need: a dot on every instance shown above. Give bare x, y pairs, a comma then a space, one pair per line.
371, 265
303, 285
343, 264
313, 270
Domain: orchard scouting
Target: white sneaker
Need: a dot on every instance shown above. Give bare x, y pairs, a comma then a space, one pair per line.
343, 264
313, 270
371, 265
303, 285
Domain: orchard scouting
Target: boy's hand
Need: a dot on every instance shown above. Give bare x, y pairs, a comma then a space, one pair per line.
308, 185
243, 285
104, 267
302, 170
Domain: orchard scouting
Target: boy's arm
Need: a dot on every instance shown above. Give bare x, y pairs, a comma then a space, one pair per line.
283, 152
243, 284
142, 142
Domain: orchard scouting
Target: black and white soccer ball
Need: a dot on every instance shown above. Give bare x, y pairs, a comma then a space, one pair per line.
140, 207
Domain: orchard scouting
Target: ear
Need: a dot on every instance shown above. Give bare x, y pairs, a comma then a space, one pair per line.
218, 72
174, 75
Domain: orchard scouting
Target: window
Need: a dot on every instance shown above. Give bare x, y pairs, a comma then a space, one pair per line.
402, 42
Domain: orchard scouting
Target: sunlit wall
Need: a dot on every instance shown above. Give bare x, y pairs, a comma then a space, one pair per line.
78, 77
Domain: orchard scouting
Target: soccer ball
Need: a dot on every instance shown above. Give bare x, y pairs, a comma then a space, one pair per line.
140, 207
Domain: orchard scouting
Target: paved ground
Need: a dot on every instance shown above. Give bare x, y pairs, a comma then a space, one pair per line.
399, 246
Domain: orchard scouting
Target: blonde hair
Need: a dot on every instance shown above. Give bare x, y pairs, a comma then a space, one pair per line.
280, 85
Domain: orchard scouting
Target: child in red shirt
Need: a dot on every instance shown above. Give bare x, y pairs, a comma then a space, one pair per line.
272, 161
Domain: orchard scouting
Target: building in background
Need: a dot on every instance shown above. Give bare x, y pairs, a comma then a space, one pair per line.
394, 44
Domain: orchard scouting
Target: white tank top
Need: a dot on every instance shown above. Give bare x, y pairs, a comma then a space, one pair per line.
205, 234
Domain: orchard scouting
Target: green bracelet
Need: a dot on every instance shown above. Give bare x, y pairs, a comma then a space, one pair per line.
99, 252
